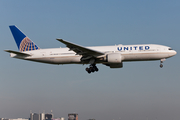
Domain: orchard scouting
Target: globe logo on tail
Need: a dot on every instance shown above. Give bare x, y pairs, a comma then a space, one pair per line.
27, 45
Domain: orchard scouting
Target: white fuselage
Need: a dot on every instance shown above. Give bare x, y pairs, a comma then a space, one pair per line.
142, 52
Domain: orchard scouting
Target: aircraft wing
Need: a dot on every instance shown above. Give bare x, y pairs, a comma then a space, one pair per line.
80, 50
17, 53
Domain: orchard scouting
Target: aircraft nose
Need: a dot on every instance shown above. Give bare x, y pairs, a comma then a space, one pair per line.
173, 52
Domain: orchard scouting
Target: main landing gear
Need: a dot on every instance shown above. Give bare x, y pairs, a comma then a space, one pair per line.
162, 60
92, 68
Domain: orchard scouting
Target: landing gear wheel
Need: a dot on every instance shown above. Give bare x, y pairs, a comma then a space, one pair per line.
161, 65
96, 69
92, 68
88, 70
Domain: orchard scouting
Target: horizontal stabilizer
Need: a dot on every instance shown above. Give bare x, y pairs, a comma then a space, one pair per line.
17, 53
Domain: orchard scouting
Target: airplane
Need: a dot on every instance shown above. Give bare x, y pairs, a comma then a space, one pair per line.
112, 56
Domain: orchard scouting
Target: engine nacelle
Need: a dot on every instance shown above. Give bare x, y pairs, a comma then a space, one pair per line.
114, 58
115, 65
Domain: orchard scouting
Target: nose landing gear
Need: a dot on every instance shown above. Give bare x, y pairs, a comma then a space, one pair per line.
92, 68
161, 65
162, 60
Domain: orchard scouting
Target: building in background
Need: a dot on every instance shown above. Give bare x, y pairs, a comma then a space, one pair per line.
72, 116
48, 116
13, 119
59, 118
35, 116
41, 116
31, 116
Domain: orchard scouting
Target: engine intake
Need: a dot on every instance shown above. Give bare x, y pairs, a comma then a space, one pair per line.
114, 58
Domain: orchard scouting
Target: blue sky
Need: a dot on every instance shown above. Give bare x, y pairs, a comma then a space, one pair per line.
138, 91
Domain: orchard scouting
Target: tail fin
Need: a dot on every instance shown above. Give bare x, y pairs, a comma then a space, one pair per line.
22, 41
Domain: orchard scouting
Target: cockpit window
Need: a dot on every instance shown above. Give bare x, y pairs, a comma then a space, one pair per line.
170, 49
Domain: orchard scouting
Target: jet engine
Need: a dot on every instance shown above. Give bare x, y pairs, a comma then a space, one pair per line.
114, 60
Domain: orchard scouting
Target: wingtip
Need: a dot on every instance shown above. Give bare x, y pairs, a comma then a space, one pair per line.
59, 39
6, 50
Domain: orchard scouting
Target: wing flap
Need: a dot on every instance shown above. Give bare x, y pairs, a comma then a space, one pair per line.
80, 50
17, 53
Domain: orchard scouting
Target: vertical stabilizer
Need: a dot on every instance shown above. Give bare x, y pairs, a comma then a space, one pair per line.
22, 41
